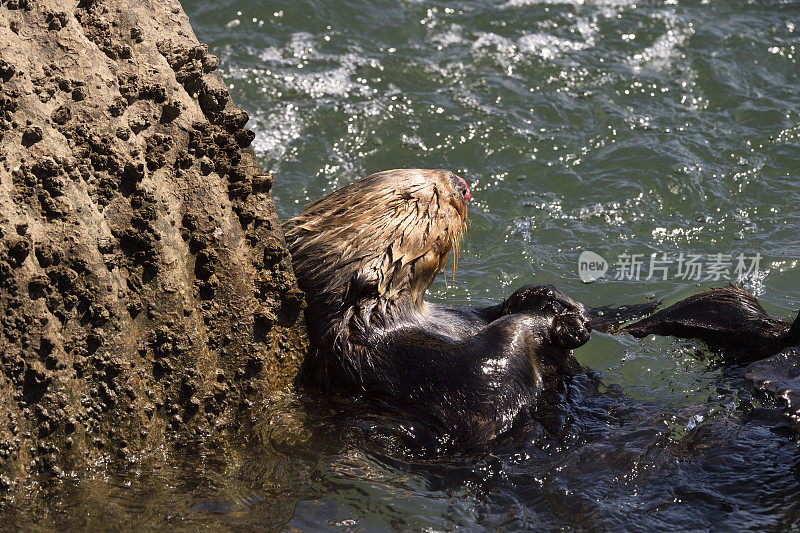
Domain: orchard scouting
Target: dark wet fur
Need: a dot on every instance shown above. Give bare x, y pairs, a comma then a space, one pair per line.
728, 319
468, 373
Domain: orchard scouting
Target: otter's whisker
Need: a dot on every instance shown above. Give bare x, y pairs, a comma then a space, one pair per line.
456, 251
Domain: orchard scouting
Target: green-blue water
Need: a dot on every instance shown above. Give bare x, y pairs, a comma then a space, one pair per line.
615, 126
611, 126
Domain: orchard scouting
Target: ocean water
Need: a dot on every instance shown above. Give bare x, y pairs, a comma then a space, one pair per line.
621, 127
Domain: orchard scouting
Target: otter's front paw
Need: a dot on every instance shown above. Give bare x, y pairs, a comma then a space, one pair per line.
566, 321
570, 328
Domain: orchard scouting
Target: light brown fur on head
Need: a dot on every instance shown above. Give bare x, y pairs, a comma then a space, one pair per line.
366, 254
384, 237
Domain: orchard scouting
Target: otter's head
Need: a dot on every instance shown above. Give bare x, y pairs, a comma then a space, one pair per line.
377, 243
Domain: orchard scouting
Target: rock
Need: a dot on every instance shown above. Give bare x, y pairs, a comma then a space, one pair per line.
140, 254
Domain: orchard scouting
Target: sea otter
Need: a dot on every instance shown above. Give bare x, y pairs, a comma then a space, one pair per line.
365, 255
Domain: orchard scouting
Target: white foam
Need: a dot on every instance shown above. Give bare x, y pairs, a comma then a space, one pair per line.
665, 50
549, 46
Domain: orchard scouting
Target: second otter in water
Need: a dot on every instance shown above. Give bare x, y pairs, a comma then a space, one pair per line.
365, 255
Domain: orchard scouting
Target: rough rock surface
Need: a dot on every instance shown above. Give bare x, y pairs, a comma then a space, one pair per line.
145, 287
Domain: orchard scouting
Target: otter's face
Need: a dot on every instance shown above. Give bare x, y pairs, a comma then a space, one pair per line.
455, 190
447, 195
384, 236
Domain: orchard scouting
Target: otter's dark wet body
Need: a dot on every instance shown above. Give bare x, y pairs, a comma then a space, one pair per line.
365, 255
